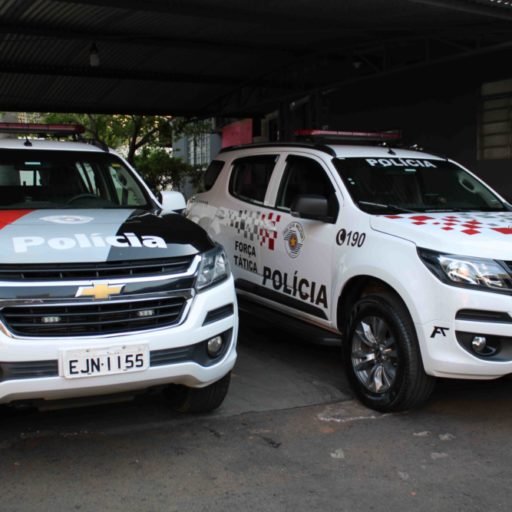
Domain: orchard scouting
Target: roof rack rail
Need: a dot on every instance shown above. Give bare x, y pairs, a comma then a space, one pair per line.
319, 147
95, 142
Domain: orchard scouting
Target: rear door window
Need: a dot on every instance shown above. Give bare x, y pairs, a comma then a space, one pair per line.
250, 177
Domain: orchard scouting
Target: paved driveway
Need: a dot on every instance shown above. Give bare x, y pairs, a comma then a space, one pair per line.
289, 437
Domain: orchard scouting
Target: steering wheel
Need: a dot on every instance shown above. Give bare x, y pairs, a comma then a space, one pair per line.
81, 196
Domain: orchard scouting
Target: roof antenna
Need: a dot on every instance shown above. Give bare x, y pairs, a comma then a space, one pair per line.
27, 143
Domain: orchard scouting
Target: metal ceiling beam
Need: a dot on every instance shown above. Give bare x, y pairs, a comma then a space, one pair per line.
244, 13
423, 62
267, 100
20, 68
368, 52
240, 47
467, 7
214, 10
86, 108
60, 33
273, 84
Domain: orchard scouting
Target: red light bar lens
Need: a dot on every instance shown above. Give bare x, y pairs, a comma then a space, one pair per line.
41, 128
350, 135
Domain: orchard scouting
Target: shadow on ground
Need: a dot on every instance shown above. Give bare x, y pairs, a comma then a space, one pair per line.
275, 371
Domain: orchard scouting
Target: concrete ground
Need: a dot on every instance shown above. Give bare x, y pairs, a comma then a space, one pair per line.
288, 437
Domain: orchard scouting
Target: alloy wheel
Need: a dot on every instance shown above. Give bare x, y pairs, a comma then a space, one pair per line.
374, 354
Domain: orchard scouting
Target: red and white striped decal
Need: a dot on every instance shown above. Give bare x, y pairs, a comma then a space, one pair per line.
9, 216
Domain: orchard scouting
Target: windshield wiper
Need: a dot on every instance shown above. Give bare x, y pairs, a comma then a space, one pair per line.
387, 207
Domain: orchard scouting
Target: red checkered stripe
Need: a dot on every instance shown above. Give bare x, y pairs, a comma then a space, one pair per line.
464, 225
268, 236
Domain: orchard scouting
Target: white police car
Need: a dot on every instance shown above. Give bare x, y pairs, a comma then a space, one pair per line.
406, 254
102, 289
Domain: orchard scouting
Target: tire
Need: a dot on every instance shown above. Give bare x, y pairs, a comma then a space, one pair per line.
382, 356
197, 400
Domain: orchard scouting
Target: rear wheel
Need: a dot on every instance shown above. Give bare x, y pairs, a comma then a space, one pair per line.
382, 356
198, 400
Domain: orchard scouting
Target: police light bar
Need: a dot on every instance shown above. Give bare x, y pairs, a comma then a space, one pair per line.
349, 136
42, 128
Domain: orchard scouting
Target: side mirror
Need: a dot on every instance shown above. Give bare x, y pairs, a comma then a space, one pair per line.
172, 201
312, 207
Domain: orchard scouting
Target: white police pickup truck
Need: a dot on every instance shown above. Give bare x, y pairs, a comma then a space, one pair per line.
103, 289
406, 254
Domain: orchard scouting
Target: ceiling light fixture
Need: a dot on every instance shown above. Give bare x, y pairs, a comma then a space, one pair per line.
94, 56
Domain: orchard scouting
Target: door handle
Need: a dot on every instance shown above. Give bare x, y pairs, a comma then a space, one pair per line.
220, 214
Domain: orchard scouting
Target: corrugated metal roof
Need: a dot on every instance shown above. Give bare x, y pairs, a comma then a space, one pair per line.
199, 56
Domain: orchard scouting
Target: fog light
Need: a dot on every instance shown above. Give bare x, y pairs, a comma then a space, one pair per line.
214, 346
479, 344
50, 319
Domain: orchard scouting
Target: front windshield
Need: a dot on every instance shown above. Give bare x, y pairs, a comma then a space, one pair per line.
382, 185
31, 179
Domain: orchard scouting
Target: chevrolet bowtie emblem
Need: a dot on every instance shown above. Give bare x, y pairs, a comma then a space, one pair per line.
99, 291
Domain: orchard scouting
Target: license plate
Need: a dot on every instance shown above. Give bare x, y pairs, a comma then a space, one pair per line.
95, 362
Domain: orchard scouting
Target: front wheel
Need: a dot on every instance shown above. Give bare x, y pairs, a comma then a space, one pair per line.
382, 356
197, 400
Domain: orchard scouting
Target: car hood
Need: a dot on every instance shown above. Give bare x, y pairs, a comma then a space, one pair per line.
96, 235
479, 234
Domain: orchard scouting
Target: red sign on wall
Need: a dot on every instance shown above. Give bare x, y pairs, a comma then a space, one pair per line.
237, 133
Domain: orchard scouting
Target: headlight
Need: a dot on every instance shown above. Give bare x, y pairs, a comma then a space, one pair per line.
214, 267
467, 271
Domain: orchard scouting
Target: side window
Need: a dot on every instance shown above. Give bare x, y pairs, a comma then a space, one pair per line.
303, 176
250, 177
212, 173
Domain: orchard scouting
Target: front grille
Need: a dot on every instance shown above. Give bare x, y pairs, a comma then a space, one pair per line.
90, 319
107, 270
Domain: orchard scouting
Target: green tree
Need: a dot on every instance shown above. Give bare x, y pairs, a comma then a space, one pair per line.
129, 133
142, 139
160, 170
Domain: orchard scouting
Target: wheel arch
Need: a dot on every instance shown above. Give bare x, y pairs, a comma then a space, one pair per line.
356, 288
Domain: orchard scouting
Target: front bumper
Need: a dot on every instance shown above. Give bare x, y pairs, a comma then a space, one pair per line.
484, 314
184, 370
